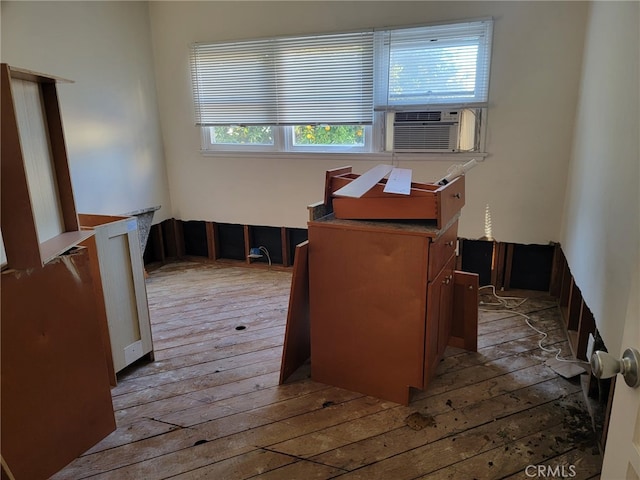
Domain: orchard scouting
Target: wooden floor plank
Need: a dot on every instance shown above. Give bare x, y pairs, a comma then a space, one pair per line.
201, 453
394, 442
243, 466
301, 469
209, 405
176, 361
131, 453
457, 448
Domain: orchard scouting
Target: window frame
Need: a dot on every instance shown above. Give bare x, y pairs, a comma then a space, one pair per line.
375, 134
283, 137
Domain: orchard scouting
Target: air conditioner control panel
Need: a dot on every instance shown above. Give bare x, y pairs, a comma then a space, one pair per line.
449, 116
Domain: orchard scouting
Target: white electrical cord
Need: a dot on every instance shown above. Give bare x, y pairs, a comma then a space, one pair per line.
503, 302
266, 252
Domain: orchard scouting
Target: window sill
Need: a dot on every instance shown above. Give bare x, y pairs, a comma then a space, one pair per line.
378, 157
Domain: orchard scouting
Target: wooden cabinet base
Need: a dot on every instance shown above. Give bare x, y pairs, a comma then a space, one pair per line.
380, 320
56, 400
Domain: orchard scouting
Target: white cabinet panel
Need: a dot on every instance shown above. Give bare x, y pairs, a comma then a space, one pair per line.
123, 285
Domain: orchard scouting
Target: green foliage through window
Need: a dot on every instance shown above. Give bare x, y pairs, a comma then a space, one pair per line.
242, 135
344, 135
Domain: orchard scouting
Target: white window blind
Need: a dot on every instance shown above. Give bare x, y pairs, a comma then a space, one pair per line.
441, 64
324, 79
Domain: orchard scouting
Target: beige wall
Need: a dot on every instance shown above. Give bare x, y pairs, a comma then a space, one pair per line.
116, 153
534, 84
601, 227
110, 113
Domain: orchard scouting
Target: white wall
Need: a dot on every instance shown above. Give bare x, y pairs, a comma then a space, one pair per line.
534, 84
601, 227
110, 113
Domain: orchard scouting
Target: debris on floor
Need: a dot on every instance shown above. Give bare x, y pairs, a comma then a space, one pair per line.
417, 421
565, 368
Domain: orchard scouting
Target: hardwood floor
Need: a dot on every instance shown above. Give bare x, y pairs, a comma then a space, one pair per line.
210, 406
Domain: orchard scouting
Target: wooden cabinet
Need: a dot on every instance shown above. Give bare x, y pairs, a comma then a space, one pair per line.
121, 272
381, 296
56, 399
55, 395
38, 215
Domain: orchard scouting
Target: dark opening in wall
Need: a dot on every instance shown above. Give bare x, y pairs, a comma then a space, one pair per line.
169, 231
231, 241
477, 257
195, 238
269, 238
154, 250
296, 236
531, 267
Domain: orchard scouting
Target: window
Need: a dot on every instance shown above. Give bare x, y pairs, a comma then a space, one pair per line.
312, 93
339, 92
438, 65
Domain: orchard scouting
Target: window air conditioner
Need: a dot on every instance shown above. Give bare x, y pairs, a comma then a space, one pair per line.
426, 131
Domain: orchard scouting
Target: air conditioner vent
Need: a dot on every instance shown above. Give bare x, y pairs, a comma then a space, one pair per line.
418, 116
425, 131
421, 138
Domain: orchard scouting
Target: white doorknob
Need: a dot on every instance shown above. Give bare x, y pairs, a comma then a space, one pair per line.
604, 365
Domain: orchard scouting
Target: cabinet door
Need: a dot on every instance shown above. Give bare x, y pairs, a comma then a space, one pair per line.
445, 312
438, 321
125, 293
367, 306
54, 384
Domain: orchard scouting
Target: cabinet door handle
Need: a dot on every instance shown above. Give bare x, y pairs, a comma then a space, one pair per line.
450, 243
456, 195
447, 280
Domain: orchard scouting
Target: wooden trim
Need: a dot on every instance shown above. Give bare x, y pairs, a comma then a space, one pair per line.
557, 270
464, 324
178, 232
247, 243
297, 337
6, 471
32, 76
495, 271
156, 238
328, 185
565, 293
169, 235
16, 214
60, 244
212, 247
101, 312
460, 253
216, 230
586, 326
284, 237
508, 264
498, 267
59, 156
575, 307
